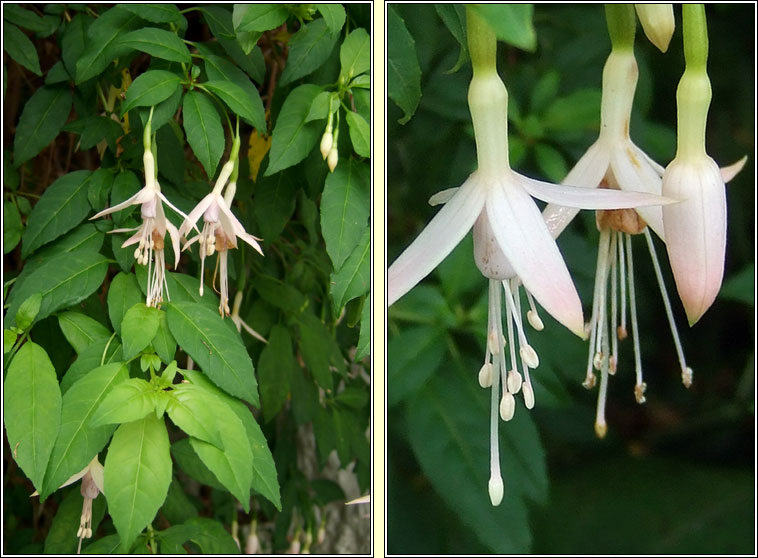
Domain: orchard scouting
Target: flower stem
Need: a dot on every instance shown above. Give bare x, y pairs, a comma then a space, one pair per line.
695, 36
622, 24
482, 43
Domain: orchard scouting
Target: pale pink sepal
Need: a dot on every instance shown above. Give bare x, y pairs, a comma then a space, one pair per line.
437, 240
523, 236
696, 231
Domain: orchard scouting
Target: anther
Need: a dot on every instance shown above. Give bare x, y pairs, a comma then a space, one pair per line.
507, 406
514, 381
589, 381
528, 395
496, 490
687, 377
639, 392
530, 356
485, 375
534, 320
597, 361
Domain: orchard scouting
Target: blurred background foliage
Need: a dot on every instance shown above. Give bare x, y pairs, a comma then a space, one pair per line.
674, 475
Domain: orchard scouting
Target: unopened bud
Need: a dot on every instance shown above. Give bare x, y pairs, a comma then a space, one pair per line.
326, 143
332, 159
657, 22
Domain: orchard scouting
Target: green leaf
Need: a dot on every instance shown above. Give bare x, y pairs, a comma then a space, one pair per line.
280, 294
102, 547
512, 23
275, 366
184, 288
360, 133
32, 410
195, 411
293, 138
139, 326
100, 183
454, 18
9, 339
155, 13
137, 476
355, 54
98, 354
189, 462
20, 48
219, 69
163, 342
63, 206
123, 294
403, 71
274, 204
412, 359
231, 466
578, 110
264, 472
739, 286
258, 17
74, 41
25, 19
157, 42
63, 281
215, 539
125, 185
84, 237
129, 401
354, 277
43, 116
202, 125
203, 335
102, 45
79, 440
249, 108
364, 339
149, 89
551, 162
333, 14
57, 74
319, 349
12, 227
80, 330
309, 48
345, 209
28, 311
447, 429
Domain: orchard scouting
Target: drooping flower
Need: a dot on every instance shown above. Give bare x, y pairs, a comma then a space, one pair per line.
221, 228
151, 233
614, 162
512, 243
696, 228
92, 485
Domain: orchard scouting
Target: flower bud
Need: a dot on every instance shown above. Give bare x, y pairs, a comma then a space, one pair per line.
657, 22
326, 143
332, 159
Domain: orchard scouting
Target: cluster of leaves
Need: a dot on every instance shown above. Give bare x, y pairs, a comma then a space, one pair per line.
90, 369
689, 444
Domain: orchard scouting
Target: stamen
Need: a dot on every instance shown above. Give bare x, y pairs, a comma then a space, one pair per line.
621, 330
593, 357
686, 371
600, 425
633, 311
514, 381
614, 289
496, 481
532, 316
527, 353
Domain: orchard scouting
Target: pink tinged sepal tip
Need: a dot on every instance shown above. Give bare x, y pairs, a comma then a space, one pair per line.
695, 231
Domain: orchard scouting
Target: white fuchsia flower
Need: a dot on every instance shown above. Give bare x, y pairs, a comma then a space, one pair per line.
695, 228
151, 233
221, 229
512, 243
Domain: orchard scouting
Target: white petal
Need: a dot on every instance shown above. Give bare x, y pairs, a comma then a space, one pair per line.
195, 214
437, 240
696, 232
443, 196
165, 200
727, 173
134, 239
588, 198
633, 173
588, 171
174, 234
234, 228
525, 240
144, 195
